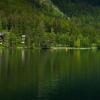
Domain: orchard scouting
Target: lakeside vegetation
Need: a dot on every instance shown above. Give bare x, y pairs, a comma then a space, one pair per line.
48, 23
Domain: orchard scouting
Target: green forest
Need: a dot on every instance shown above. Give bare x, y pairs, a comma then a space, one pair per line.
50, 23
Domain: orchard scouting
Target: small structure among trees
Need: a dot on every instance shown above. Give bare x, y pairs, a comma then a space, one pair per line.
1, 37
23, 38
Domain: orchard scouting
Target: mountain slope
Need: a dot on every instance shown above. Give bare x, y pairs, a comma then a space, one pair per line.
77, 7
14, 11
29, 17
51, 22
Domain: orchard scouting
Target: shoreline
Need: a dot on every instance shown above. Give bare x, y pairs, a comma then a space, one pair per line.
70, 48
53, 48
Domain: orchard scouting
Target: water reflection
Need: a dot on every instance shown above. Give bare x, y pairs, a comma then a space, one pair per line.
23, 55
49, 75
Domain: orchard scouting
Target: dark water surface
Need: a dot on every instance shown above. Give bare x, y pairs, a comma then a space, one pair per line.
49, 75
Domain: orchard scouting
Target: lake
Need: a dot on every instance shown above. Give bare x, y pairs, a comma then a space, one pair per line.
49, 74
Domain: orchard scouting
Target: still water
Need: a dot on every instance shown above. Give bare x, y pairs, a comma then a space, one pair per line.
49, 75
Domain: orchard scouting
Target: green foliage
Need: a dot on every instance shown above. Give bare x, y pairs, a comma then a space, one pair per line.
47, 40
77, 43
45, 24
12, 40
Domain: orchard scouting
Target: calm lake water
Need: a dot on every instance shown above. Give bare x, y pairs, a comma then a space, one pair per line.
49, 75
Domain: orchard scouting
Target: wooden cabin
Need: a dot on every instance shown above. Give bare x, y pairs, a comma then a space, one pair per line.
1, 37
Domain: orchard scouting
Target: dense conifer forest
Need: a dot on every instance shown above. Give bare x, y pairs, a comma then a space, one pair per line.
47, 23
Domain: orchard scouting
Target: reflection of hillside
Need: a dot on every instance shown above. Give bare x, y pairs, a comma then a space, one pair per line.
46, 74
